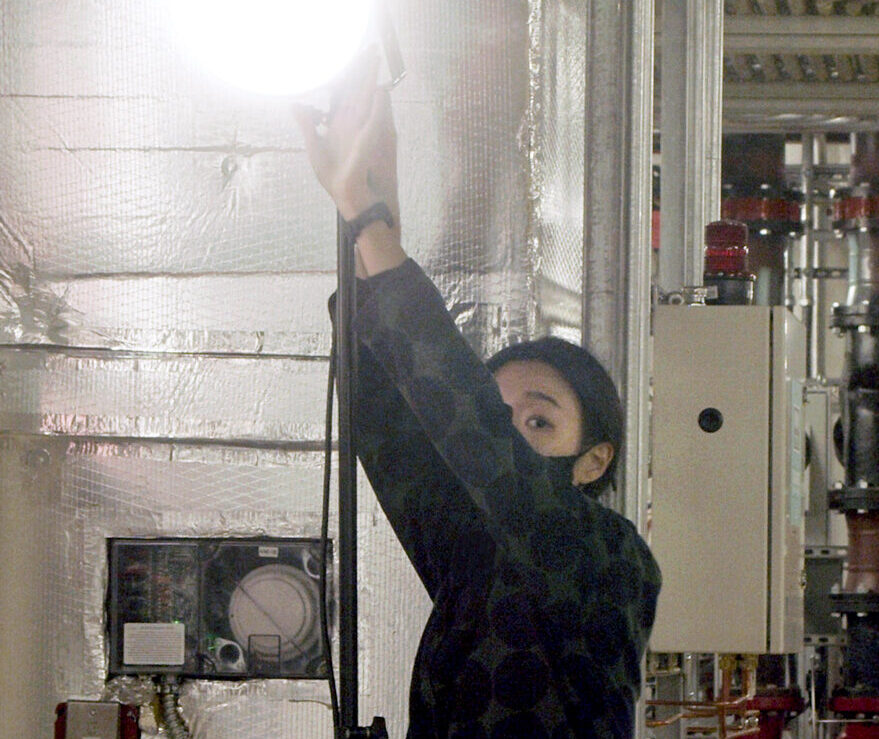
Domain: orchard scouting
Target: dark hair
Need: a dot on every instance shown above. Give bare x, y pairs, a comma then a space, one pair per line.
599, 400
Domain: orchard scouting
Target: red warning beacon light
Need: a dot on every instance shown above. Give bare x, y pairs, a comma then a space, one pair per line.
726, 247
726, 263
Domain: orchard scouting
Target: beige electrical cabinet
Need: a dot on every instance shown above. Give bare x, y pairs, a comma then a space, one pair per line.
727, 475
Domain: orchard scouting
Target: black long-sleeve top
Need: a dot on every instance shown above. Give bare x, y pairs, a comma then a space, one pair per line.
543, 598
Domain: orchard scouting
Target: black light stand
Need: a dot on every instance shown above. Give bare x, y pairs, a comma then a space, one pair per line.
346, 375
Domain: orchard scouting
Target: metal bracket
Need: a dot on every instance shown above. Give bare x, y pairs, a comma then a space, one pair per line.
821, 273
690, 295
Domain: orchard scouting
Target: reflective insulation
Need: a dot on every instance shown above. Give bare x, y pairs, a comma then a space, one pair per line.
179, 396
71, 494
165, 260
558, 120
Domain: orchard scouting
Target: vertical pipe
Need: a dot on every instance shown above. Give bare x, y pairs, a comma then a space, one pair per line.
690, 129
606, 156
859, 498
345, 374
810, 259
617, 216
819, 220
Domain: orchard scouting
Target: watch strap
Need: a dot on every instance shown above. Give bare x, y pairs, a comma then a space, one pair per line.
376, 212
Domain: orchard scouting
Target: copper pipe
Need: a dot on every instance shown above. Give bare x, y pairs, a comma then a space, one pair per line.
737, 703
713, 729
719, 710
666, 721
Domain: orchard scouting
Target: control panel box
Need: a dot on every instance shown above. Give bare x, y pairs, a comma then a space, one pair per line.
215, 608
727, 479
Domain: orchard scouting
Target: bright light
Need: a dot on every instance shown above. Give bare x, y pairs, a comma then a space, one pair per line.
278, 47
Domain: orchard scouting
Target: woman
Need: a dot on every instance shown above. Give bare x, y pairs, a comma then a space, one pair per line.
543, 598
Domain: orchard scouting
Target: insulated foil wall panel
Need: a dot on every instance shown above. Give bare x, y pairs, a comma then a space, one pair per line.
62, 498
557, 162
257, 314
122, 158
165, 260
167, 396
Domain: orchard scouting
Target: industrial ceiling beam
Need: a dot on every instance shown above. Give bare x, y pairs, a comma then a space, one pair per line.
789, 124
805, 92
801, 101
801, 34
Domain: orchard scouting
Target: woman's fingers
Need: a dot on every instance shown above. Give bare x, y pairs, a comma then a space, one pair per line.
354, 152
352, 93
306, 119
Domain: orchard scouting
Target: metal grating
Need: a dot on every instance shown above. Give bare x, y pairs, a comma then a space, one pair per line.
831, 68
802, 7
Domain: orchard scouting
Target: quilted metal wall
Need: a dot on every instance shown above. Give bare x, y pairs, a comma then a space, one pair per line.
165, 260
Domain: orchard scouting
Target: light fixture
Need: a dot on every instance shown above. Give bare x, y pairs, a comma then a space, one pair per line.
275, 47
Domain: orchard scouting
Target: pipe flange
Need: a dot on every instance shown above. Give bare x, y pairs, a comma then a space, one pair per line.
857, 209
766, 209
856, 225
854, 498
861, 702
855, 602
855, 316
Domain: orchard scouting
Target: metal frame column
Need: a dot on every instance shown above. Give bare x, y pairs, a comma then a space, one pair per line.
691, 80
617, 217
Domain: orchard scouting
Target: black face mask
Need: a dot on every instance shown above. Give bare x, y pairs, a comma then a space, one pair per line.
561, 470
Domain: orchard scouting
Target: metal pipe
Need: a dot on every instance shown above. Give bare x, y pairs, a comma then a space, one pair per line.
809, 258
807, 34
863, 268
858, 319
638, 194
618, 190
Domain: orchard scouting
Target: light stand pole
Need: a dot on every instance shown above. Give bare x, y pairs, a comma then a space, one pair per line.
346, 377
346, 371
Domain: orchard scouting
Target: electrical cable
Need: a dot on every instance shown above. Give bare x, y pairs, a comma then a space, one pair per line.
324, 538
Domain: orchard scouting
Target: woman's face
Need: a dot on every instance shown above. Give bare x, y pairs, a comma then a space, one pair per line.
546, 411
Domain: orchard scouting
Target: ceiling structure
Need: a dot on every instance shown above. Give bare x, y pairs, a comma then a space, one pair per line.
796, 65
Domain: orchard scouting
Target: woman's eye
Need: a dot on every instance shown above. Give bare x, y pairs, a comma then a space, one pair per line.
538, 422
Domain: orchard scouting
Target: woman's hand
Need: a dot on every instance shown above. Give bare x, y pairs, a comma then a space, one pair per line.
354, 152
354, 155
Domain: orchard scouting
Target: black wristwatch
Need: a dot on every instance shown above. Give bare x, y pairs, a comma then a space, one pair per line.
377, 212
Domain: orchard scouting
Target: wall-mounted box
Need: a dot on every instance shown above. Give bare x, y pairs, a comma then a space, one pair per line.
727, 464
213, 608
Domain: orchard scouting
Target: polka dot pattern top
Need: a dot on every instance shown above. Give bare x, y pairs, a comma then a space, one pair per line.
543, 598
